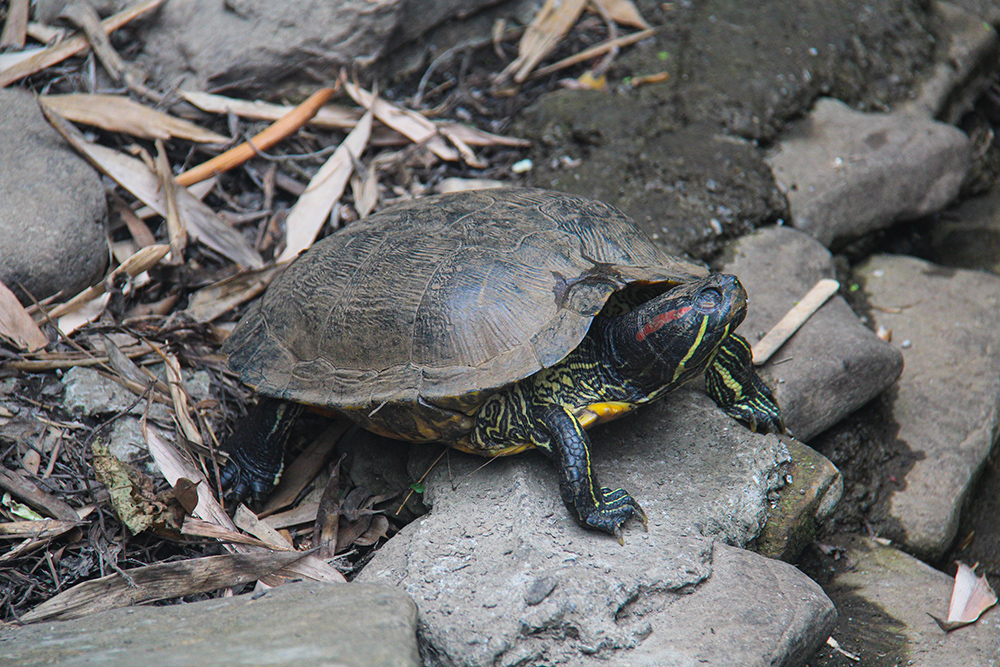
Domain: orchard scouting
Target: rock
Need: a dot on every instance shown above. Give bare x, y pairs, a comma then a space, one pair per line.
834, 364
979, 533
52, 206
987, 10
503, 575
300, 624
963, 71
847, 173
91, 394
945, 322
751, 611
258, 45
252, 44
753, 67
885, 598
968, 236
814, 487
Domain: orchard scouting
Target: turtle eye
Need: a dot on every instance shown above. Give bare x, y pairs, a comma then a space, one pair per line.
709, 299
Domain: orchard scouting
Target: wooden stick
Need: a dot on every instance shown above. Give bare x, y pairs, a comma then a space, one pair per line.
288, 124
794, 319
593, 52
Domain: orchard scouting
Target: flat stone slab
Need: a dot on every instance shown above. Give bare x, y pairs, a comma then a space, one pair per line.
885, 598
834, 364
504, 576
847, 173
305, 624
945, 322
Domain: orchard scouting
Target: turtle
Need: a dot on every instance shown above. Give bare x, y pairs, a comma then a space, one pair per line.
494, 321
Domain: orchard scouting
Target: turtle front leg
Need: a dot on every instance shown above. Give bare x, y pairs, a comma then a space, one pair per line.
597, 507
733, 383
257, 450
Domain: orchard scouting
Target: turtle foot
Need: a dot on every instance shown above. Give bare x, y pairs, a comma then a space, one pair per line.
761, 415
242, 484
615, 507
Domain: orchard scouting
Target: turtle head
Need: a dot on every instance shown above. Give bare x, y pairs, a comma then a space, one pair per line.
674, 337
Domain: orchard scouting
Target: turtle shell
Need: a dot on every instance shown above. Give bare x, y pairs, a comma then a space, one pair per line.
438, 302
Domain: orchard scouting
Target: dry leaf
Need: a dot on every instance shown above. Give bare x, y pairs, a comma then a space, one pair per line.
132, 494
72, 46
186, 493
160, 582
313, 208
143, 260
178, 395
133, 175
970, 597
249, 522
219, 298
15, 29
378, 529
284, 127
173, 465
329, 116
623, 12
343, 118
455, 184
550, 24
17, 325
408, 123
118, 113
83, 314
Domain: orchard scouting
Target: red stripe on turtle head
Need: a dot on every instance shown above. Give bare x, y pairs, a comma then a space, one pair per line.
660, 320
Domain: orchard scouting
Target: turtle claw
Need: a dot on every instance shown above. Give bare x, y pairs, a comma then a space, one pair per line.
614, 508
240, 484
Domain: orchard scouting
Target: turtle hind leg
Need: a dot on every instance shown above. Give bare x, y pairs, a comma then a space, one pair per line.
257, 450
596, 507
733, 383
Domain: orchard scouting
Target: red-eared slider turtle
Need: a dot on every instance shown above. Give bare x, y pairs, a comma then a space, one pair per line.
485, 320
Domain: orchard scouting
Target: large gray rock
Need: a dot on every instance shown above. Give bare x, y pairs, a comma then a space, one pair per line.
833, 364
945, 322
305, 624
885, 598
264, 46
847, 173
964, 69
503, 576
52, 206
